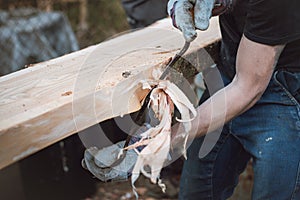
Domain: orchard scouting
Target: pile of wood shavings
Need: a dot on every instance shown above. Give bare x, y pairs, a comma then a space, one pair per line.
157, 140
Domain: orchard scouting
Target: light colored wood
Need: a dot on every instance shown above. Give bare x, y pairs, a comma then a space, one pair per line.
52, 100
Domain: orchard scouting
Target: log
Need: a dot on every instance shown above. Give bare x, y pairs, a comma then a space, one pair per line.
52, 100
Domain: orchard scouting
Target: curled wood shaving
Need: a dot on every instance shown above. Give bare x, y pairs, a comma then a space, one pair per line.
157, 140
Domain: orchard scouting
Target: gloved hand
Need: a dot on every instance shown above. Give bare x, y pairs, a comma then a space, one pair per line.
101, 162
189, 15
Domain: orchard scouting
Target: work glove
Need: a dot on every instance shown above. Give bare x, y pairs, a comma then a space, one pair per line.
102, 162
189, 15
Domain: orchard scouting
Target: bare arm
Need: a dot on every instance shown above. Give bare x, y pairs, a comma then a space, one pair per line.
254, 67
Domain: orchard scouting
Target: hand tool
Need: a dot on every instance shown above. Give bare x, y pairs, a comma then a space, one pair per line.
140, 115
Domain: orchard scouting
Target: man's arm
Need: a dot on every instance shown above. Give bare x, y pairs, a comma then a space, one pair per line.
254, 67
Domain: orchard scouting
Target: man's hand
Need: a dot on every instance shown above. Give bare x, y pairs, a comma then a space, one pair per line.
102, 162
99, 162
189, 15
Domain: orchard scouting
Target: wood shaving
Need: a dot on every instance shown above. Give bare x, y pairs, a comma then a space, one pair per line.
157, 140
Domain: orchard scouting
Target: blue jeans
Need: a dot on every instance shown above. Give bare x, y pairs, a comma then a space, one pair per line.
269, 133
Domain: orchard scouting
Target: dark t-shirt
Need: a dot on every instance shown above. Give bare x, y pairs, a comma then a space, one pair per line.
142, 13
270, 22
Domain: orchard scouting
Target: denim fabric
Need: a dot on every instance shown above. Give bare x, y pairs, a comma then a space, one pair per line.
269, 133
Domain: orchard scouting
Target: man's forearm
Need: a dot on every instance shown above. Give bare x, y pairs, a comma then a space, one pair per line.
255, 65
222, 107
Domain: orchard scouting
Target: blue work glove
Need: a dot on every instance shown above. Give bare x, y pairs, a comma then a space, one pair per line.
99, 162
189, 15
102, 162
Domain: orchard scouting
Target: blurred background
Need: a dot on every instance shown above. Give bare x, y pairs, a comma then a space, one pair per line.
91, 20
33, 31
36, 30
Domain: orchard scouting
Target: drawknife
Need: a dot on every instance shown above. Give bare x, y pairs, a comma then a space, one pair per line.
140, 114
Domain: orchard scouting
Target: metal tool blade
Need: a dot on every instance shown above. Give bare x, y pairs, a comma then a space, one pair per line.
174, 60
141, 112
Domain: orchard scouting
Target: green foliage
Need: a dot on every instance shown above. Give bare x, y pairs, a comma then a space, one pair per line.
105, 18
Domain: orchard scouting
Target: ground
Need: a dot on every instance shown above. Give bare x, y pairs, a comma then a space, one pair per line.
145, 189
149, 191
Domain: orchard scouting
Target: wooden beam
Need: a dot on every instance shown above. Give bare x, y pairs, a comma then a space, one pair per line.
49, 101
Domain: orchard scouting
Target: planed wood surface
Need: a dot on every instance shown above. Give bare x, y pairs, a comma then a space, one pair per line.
49, 101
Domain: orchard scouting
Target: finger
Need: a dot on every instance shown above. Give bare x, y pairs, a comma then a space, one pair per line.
91, 154
100, 173
203, 9
120, 173
105, 159
83, 164
107, 156
102, 160
184, 20
119, 176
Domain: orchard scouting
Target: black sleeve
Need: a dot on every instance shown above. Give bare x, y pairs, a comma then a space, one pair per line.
273, 22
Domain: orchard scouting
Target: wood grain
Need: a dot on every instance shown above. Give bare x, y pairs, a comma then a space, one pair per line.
49, 101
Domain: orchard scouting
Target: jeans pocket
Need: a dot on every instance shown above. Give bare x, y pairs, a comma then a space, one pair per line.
290, 83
